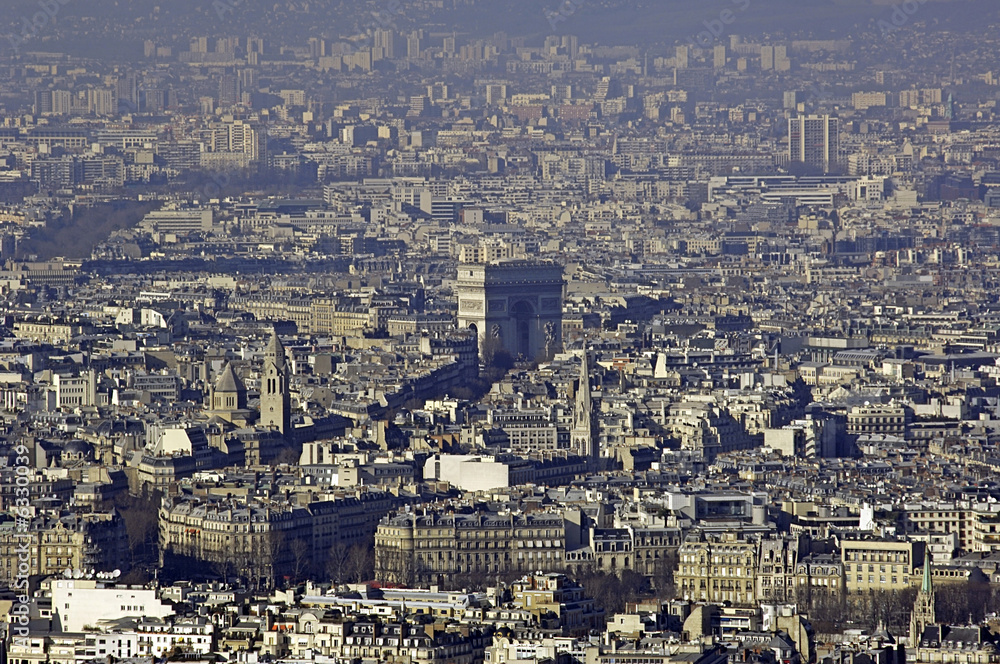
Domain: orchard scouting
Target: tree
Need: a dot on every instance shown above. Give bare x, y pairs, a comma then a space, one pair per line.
633, 585
253, 557
337, 563
224, 567
827, 609
288, 456
138, 576
141, 517
361, 562
74, 234
394, 566
662, 577
614, 592
960, 603
473, 580
497, 360
270, 547
301, 554
890, 608
239, 560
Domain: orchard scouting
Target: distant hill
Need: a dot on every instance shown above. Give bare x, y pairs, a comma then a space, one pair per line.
666, 21
106, 27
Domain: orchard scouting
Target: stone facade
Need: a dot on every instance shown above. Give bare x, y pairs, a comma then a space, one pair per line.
517, 303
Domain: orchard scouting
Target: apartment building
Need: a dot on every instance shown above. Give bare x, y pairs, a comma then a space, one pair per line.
259, 539
777, 567
708, 430
975, 525
717, 568
69, 541
432, 547
818, 575
554, 598
881, 564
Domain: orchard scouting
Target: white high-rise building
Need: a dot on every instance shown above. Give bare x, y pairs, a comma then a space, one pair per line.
719, 56
682, 57
767, 58
815, 140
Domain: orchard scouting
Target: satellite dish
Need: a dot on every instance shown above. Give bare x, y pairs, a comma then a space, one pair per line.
67, 573
77, 574
116, 574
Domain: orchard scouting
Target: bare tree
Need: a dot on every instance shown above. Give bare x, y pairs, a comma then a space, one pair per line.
223, 567
141, 517
288, 456
611, 591
273, 546
301, 553
827, 609
889, 607
662, 577
336, 564
395, 566
496, 358
960, 603
361, 562
255, 556
241, 556
475, 580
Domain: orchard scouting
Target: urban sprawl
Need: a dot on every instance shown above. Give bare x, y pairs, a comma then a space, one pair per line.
416, 347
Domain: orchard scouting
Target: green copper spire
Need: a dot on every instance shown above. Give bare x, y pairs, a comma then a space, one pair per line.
925, 585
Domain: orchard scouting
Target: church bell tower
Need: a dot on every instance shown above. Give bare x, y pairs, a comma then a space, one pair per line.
923, 607
275, 408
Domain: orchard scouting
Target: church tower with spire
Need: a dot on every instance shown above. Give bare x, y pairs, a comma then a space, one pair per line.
275, 408
582, 434
923, 607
